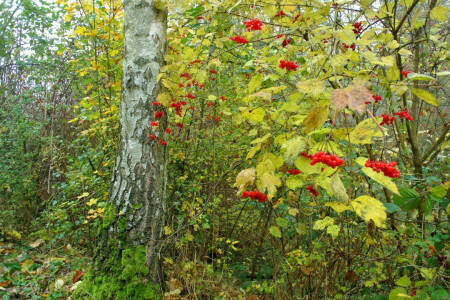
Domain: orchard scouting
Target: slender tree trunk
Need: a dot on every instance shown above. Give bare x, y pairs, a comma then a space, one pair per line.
138, 182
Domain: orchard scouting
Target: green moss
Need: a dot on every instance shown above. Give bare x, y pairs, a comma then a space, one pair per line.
120, 279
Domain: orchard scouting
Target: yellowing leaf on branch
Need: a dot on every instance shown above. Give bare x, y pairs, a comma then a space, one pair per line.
338, 189
255, 115
338, 206
268, 182
370, 208
291, 149
315, 118
312, 86
245, 178
365, 131
425, 96
164, 99
353, 96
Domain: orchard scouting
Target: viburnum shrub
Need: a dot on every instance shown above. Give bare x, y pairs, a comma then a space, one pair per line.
304, 78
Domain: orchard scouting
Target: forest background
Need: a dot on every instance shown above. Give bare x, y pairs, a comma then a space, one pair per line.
255, 91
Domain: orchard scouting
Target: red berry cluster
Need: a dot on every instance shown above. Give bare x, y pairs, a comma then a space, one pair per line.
279, 14
180, 125
387, 119
253, 25
178, 107
357, 27
388, 169
223, 98
200, 18
288, 65
286, 42
412, 292
162, 142
168, 130
158, 114
198, 61
405, 73
374, 97
255, 195
239, 39
296, 18
404, 114
294, 172
330, 160
312, 190
154, 124
188, 77
209, 103
352, 46
152, 137
213, 71
190, 96
304, 154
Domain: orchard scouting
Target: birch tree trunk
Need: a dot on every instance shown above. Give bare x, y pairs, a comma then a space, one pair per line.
138, 182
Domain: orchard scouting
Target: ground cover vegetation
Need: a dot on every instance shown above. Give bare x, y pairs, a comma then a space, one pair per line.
307, 150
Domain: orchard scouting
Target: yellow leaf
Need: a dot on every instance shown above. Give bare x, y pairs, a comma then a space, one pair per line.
338, 206
26, 265
364, 131
245, 178
83, 195
303, 164
370, 208
381, 179
92, 202
425, 96
291, 148
261, 139
294, 182
312, 86
321, 224
338, 189
255, 82
268, 182
315, 118
164, 99
439, 13
253, 151
255, 115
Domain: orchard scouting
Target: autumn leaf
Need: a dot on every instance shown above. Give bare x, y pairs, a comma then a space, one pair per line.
315, 118
370, 208
353, 96
245, 178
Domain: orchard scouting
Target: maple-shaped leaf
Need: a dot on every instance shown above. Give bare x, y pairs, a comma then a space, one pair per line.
245, 178
353, 96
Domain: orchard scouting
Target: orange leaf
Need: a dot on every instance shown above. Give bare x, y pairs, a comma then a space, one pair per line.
78, 275
353, 96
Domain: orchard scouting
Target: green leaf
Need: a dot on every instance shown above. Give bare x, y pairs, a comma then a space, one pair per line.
425, 96
440, 295
438, 191
370, 208
392, 207
261, 139
428, 205
399, 294
256, 115
407, 199
282, 222
275, 231
404, 281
